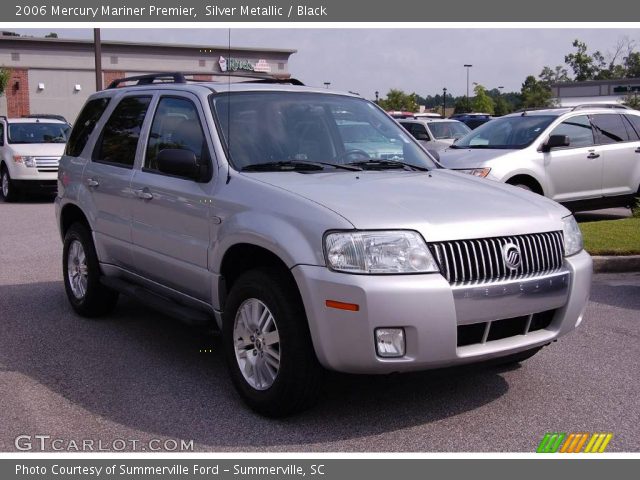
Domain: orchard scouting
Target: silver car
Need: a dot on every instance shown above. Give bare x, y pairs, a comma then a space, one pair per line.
435, 133
584, 157
241, 208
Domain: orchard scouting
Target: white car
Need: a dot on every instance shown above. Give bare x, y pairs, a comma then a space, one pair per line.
435, 133
30, 149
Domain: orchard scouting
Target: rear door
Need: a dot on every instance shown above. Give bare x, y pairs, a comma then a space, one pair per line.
574, 172
171, 221
618, 150
107, 178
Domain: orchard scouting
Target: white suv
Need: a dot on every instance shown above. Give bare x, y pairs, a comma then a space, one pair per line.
583, 157
30, 149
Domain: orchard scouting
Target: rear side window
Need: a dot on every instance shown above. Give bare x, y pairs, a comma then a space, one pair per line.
578, 129
634, 126
119, 139
85, 124
609, 129
1, 133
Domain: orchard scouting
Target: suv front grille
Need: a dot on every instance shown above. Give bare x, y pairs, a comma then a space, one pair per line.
498, 329
47, 164
482, 259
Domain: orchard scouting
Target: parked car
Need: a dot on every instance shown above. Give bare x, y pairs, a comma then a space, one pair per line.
30, 149
250, 214
585, 157
435, 134
425, 115
472, 120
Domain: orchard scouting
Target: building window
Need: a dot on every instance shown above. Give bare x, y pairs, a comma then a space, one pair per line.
280, 66
201, 63
113, 60
15, 57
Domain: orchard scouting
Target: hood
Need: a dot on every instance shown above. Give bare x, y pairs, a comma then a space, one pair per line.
470, 157
38, 149
441, 204
435, 145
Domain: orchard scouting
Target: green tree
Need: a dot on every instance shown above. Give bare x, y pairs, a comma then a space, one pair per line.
482, 102
535, 93
399, 100
502, 106
460, 105
632, 100
554, 75
632, 65
584, 66
5, 74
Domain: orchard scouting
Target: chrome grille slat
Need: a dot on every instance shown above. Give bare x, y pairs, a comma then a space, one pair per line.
47, 164
481, 260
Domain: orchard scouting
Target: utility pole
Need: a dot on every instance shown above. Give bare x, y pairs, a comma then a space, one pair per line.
444, 102
468, 66
97, 48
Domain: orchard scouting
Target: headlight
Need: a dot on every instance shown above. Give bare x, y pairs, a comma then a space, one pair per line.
476, 172
395, 251
572, 236
26, 161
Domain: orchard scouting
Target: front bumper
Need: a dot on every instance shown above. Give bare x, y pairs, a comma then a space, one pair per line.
430, 311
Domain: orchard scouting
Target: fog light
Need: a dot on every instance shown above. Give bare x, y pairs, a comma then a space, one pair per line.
390, 342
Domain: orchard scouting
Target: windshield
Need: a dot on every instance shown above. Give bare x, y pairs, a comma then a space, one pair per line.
506, 132
38, 132
268, 127
443, 130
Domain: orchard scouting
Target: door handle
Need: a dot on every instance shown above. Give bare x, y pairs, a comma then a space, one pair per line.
144, 194
593, 155
92, 183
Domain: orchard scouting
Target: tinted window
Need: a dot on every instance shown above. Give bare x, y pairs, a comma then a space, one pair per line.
1, 134
38, 132
609, 128
85, 124
175, 125
634, 122
119, 138
578, 129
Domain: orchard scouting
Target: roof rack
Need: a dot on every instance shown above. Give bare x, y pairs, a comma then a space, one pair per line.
601, 105
179, 77
48, 116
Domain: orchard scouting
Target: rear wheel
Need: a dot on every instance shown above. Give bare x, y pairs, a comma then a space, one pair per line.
268, 346
81, 272
7, 187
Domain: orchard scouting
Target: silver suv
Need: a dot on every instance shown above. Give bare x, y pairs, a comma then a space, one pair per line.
584, 157
241, 207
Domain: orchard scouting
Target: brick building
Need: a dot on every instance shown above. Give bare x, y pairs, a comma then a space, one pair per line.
55, 76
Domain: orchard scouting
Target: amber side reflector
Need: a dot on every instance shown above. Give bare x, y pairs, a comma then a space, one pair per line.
352, 307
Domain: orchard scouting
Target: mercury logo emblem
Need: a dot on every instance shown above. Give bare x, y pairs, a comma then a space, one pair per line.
511, 255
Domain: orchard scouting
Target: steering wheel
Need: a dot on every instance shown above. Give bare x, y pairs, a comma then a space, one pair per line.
353, 151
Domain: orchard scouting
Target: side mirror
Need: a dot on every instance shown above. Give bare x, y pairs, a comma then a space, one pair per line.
182, 163
556, 141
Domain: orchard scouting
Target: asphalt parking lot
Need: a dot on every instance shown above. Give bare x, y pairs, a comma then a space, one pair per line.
139, 375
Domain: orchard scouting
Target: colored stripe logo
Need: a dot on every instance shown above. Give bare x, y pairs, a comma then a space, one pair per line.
574, 442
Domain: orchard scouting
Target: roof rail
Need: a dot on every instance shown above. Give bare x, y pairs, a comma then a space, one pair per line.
174, 77
524, 111
601, 105
179, 77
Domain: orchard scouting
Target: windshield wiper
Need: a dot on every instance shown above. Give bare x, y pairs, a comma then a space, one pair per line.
286, 166
379, 163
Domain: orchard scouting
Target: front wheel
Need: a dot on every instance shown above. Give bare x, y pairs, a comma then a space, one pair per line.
81, 272
268, 346
7, 187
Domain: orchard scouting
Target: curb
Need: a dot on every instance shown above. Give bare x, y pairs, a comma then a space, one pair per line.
616, 264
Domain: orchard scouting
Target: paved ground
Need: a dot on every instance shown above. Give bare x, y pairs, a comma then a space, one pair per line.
138, 375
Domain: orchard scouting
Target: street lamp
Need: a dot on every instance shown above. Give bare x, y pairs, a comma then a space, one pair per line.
326, 84
377, 93
468, 66
444, 102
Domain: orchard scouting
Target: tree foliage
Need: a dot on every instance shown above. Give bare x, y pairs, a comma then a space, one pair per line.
481, 101
5, 74
399, 100
535, 93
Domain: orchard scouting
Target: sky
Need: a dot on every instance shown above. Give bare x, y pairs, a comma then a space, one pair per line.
421, 60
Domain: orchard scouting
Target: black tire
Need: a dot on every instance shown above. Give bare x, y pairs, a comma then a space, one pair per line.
8, 190
298, 379
517, 357
97, 300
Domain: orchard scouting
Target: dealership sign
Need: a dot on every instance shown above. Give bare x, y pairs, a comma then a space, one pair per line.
235, 64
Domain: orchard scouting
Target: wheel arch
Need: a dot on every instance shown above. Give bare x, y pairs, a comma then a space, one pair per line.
528, 180
70, 214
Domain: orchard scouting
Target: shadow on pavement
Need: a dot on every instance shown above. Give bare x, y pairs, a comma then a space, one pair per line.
145, 371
